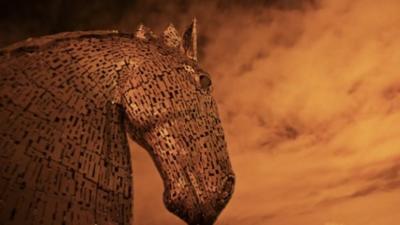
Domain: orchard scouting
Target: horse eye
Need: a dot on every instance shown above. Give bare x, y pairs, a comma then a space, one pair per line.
205, 81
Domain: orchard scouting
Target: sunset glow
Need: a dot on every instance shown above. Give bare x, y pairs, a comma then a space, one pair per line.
308, 92
310, 102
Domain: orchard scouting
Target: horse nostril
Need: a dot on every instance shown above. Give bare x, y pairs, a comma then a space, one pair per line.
228, 189
231, 179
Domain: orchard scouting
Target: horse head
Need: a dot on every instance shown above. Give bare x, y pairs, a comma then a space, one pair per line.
168, 101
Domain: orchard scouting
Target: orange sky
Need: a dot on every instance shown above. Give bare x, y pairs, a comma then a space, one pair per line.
310, 102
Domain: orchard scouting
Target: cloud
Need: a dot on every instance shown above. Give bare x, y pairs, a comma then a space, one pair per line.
309, 100
309, 96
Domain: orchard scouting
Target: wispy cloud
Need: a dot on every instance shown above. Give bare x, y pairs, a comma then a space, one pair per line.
309, 94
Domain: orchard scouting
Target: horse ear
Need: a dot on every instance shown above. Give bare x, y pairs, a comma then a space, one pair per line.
171, 37
144, 32
190, 41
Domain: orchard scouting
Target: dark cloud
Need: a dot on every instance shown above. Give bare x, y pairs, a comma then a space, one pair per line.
308, 92
20, 19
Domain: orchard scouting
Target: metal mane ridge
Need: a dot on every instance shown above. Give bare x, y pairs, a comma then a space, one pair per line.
34, 44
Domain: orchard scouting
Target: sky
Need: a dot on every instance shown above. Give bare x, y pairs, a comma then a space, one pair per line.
308, 93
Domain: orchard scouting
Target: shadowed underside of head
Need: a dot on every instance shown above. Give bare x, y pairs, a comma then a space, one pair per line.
180, 127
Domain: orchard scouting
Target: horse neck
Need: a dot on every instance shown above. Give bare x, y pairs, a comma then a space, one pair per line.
91, 63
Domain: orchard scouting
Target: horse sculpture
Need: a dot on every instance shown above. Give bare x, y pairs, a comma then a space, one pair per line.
67, 102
